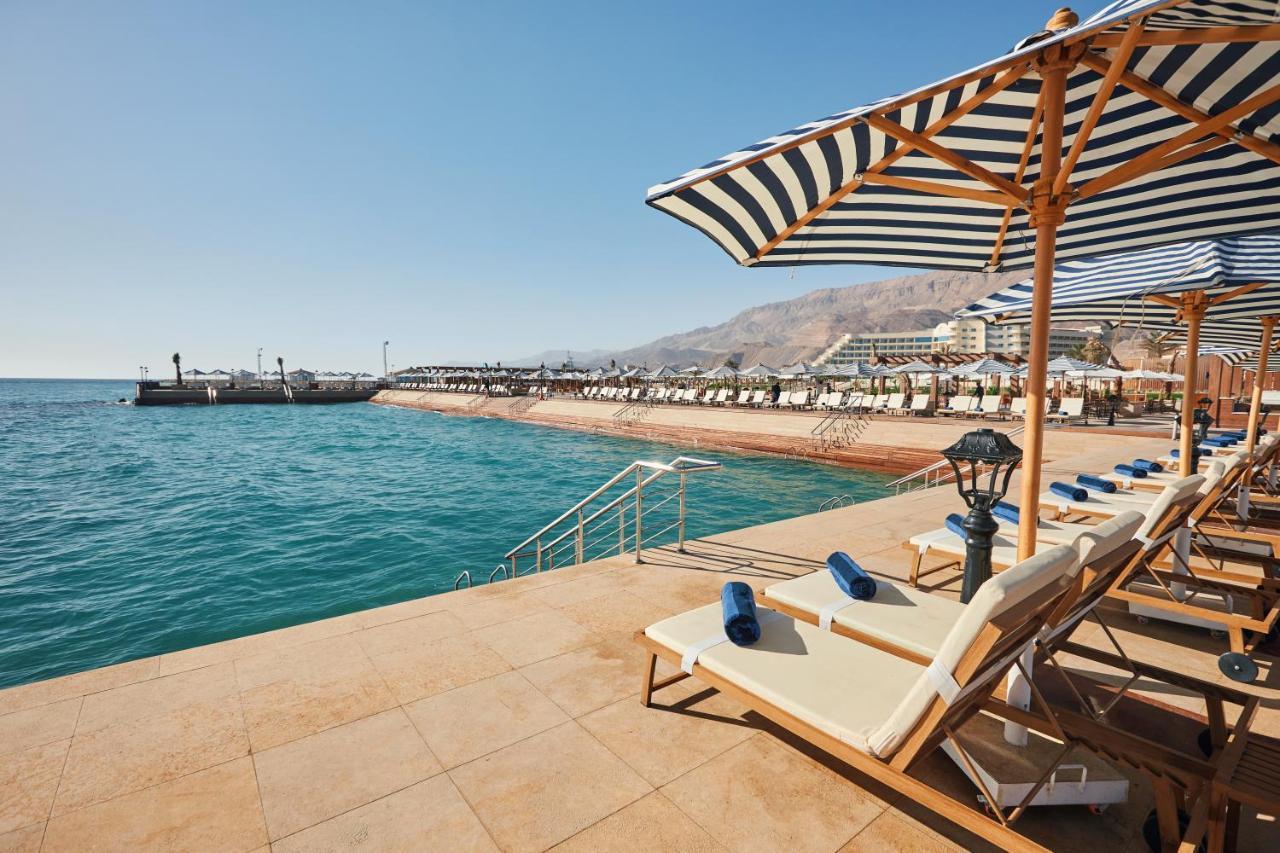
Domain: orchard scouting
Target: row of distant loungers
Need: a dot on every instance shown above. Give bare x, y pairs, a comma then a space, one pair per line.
1067, 409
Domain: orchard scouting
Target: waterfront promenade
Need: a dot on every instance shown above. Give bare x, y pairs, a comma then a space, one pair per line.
507, 717
893, 444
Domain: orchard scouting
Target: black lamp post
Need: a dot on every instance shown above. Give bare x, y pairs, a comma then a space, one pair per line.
983, 462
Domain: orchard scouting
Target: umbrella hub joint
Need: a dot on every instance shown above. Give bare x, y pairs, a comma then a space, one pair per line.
1047, 208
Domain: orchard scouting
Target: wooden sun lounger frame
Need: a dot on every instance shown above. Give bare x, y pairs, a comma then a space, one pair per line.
984, 664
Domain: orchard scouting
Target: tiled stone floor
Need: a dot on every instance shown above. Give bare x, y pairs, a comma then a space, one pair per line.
503, 717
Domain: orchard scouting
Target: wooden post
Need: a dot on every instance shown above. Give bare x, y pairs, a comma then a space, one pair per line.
1259, 382
1047, 213
1192, 313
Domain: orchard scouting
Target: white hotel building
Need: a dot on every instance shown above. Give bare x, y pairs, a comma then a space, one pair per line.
965, 336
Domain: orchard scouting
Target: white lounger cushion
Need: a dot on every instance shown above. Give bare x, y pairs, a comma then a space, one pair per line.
916, 620
867, 698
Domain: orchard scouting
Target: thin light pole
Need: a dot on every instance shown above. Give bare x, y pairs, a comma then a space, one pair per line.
259, 365
385, 372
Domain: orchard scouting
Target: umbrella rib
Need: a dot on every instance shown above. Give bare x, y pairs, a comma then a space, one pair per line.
934, 188
1016, 193
1001, 83
1239, 291
1033, 128
1118, 64
1163, 98
1155, 157
1206, 35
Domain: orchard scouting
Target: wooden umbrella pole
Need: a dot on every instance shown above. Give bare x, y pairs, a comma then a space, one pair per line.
1259, 380
1047, 213
1192, 313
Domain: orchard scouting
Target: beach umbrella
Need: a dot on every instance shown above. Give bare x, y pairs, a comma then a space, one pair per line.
1152, 122
1232, 284
691, 370
798, 370
918, 367
760, 371
724, 371
982, 367
663, 372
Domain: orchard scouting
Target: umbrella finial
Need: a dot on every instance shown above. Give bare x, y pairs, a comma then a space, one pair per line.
1063, 19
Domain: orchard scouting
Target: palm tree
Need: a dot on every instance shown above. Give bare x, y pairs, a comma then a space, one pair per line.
177, 366
1095, 351
1158, 346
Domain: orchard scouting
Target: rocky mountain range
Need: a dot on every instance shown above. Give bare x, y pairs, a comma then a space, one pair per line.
801, 328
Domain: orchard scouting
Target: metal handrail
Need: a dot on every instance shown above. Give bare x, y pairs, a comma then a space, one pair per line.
631, 499
934, 466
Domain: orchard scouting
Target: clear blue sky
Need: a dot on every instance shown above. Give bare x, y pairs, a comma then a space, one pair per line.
465, 179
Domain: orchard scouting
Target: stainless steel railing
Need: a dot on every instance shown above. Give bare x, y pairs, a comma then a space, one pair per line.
582, 531
932, 475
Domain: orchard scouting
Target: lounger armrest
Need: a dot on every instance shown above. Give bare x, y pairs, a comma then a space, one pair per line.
1272, 539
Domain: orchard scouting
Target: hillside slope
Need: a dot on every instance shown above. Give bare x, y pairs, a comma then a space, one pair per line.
801, 328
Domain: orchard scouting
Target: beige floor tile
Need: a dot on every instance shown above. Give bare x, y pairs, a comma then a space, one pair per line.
538, 792
760, 795
500, 608
430, 815
590, 678
471, 721
156, 696
578, 589
409, 633
535, 637
313, 779
308, 689
402, 610
894, 832
71, 686
617, 613
25, 840
649, 825
688, 725
415, 673
40, 725
28, 782
117, 760
214, 810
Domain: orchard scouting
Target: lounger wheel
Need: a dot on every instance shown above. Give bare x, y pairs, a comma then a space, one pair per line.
1238, 667
1098, 808
1143, 620
1151, 830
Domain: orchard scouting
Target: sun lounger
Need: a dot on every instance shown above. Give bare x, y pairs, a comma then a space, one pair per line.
744, 397
799, 399
757, 399
800, 677
903, 408
891, 402
722, 396
913, 623
921, 404
958, 405
878, 403
1069, 409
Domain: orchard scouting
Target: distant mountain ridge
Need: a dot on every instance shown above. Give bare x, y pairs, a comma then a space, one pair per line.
800, 329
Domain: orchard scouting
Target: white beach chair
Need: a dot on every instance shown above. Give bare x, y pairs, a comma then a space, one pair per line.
822, 400
757, 399
878, 403
922, 405
744, 397
1069, 409
903, 408
959, 404
800, 399
894, 402
835, 399
722, 397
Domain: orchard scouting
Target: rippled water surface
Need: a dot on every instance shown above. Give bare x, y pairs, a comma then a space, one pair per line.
129, 531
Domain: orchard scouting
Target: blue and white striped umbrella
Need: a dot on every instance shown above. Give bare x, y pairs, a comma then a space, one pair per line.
1125, 289
1175, 104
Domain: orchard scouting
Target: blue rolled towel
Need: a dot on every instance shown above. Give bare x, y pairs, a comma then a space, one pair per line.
1131, 472
1217, 442
1148, 465
1096, 484
955, 523
1008, 512
852, 580
1069, 491
1202, 450
739, 604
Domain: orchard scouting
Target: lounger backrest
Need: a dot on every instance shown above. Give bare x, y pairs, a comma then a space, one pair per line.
799, 398
855, 401
834, 398
1023, 593
744, 396
757, 397
723, 395
880, 401
961, 403
895, 401
1168, 510
920, 403
1103, 553
1073, 406
822, 399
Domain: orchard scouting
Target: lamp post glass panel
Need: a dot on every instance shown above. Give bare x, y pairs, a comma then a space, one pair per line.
983, 462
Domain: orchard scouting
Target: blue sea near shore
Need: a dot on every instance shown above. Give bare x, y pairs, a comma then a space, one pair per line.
130, 531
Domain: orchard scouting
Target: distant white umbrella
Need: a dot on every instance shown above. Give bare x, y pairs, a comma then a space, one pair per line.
760, 371
724, 371
663, 372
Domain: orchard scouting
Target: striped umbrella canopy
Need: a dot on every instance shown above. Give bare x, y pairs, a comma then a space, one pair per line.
918, 367
663, 372
1152, 122
982, 367
797, 370
724, 371
762, 371
859, 370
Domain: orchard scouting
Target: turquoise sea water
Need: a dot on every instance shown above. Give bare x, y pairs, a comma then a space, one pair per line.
129, 531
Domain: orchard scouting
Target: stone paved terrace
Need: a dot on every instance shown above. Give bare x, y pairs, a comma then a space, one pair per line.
507, 717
